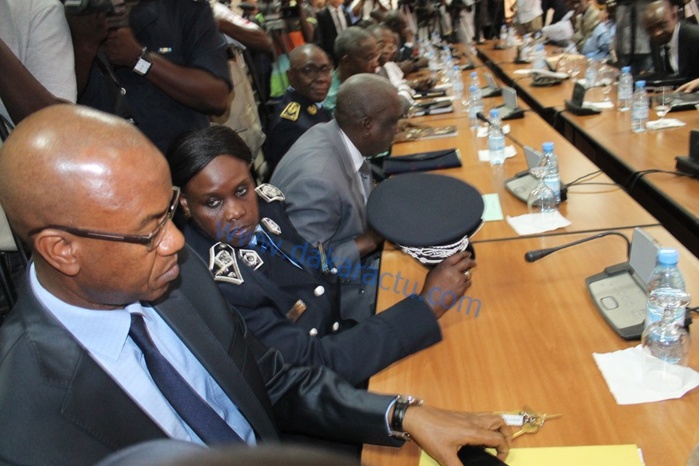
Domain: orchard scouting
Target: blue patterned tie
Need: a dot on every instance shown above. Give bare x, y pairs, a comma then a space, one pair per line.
196, 412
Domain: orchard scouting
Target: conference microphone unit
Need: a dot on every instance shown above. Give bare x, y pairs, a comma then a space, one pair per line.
533, 256
619, 292
523, 182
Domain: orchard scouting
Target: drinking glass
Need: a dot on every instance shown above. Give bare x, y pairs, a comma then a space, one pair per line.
605, 78
541, 199
662, 98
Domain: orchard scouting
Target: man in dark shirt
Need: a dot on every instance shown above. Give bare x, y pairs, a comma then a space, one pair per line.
172, 62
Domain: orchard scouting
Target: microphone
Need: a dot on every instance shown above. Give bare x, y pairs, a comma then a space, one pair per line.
533, 256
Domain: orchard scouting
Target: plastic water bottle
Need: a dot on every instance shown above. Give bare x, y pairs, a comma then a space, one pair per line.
591, 71
552, 179
503, 36
666, 276
625, 90
539, 58
457, 85
475, 105
496, 139
639, 108
474, 80
525, 53
510, 36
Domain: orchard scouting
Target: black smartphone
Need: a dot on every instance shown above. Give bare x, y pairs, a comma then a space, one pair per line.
477, 456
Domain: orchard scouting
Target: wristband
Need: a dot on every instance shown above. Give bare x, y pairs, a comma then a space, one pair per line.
399, 408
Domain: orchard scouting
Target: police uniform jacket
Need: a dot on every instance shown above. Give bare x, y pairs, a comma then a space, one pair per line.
59, 407
296, 310
293, 116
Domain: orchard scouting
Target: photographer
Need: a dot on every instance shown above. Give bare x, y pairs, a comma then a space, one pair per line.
172, 62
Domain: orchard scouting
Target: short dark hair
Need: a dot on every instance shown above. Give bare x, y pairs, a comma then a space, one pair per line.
191, 152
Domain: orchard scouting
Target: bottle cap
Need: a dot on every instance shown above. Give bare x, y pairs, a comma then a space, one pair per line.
494, 113
547, 146
626, 69
668, 256
640, 84
473, 88
474, 74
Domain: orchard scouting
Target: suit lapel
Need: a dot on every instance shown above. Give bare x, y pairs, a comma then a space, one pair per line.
92, 401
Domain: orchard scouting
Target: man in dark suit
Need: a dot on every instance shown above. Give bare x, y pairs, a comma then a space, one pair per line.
113, 302
332, 20
309, 74
675, 50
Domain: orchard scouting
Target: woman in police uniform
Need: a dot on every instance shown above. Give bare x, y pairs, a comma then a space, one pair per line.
284, 288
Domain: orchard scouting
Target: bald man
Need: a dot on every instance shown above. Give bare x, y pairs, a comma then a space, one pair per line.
110, 281
675, 42
325, 180
301, 107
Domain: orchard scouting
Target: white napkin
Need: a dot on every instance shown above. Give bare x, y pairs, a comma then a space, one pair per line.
484, 155
529, 224
483, 131
665, 123
622, 372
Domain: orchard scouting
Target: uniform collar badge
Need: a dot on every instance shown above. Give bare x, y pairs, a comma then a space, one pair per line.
223, 264
269, 192
251, 258
271, 226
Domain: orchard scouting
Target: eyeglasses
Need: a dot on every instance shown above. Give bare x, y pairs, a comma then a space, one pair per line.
150, 241
314, 72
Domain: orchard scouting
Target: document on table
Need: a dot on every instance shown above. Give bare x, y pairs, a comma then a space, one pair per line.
598, 455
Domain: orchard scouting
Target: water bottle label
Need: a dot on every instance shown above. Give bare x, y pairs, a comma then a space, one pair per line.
640, 110
554, 183
655, 314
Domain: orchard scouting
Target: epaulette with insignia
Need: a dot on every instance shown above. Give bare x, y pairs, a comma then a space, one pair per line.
269, 192
291, 111
223, 264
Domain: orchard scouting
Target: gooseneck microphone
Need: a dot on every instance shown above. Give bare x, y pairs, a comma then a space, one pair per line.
533, 256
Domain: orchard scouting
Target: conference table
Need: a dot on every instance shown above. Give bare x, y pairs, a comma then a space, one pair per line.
525, 332
608, 141
527, 338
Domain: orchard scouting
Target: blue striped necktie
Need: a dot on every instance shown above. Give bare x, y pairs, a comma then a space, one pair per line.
196, 412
